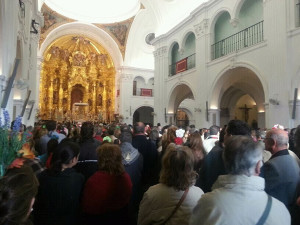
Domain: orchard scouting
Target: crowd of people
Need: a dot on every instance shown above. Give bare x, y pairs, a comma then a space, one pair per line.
82, 174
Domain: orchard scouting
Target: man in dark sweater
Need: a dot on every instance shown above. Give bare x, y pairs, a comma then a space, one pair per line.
149, 153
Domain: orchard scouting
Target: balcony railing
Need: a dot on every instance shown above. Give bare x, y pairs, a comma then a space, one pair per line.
143, 92
182, 65
245, 38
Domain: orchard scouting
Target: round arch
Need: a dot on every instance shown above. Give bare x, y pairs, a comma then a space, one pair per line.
139, 78
90, 31
178, 93
237, 8
186, 35
143, 114
215, 18
237, 89
217, 84
171, 49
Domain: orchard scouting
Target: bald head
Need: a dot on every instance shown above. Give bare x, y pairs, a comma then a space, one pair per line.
276, 140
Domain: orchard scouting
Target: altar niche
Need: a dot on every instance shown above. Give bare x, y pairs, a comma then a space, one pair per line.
77, 70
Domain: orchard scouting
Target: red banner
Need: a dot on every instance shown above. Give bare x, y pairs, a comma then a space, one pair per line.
181, 65
146, 92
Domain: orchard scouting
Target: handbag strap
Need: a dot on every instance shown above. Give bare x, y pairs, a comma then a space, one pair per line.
265, 214
177, 206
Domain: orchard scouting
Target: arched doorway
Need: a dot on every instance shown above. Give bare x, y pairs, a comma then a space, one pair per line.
176, 111
77, 94
239, 94
143, 114
77, 69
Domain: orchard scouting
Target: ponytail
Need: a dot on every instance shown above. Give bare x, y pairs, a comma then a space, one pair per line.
63, 154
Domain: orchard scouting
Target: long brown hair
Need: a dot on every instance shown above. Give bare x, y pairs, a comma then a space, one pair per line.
171, 135
110, 159
17, 189
196, 145
178, 167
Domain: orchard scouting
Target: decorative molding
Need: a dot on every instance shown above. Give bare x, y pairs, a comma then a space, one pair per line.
234, 22
232, 62
126, 77
160, 52
200, 28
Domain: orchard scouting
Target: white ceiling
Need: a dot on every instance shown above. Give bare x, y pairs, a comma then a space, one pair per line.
95, 11
156, 16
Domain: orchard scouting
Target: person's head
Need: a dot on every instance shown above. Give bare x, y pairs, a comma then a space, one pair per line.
242, 156
276, 140
111, 130
52, 145
171, 134
178, 167
51, 125
98, 130
126, 136
110, 159
237, 127
87, 131
117, 132
65, 156
196, 145
18, 189
154, 135
139, 128
214, 130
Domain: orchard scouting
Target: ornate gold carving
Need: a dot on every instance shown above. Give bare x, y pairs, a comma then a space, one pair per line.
77, 69
118, 31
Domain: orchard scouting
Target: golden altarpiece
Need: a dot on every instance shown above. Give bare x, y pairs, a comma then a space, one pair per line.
77, 81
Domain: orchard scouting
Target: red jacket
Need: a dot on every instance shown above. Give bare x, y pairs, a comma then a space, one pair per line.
105, 193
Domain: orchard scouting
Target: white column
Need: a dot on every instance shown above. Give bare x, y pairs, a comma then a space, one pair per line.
160, 75
126, 85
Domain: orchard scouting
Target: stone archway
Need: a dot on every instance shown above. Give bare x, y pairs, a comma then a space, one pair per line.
143, 114
239, 94
180, 93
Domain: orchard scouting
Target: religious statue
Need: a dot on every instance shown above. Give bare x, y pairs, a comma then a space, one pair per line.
246, 110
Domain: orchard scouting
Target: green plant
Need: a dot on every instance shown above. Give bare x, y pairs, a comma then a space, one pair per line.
11, 141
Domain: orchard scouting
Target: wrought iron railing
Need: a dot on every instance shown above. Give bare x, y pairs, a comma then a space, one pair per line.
182, 65
245, 38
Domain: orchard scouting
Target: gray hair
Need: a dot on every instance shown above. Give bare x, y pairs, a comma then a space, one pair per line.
281, 138
241, 155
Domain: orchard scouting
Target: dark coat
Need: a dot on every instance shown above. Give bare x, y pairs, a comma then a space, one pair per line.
58, 198
212, 167
281, 175
150, 155
88, 150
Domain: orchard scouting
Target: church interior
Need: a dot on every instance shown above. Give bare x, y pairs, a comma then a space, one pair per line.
149, 112
160, 61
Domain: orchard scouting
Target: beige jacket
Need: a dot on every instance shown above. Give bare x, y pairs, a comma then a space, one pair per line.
160, 200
